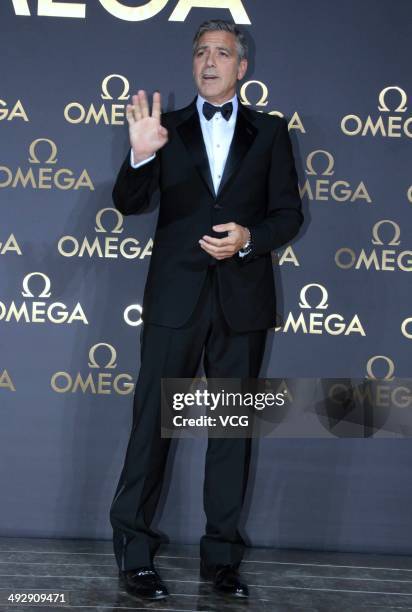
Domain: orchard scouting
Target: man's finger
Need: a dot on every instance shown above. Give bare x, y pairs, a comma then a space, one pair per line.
219, 255
213, 250
137, 112
136, 107
225, 227
156, 105
129, 114
216, 253
228, 240
144, 105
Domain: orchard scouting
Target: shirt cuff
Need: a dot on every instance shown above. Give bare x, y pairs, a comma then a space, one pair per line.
141, 163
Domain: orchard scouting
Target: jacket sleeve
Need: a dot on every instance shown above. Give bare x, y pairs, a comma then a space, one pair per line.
284, 206
134, 186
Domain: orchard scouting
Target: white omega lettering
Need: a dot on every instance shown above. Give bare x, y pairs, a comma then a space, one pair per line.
129, 320
17, 112
56, 8
404, 328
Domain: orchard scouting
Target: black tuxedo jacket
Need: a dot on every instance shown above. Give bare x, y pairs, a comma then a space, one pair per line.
258, 189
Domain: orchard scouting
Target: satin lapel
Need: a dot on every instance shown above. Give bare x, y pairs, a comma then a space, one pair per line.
243, 137
190, 132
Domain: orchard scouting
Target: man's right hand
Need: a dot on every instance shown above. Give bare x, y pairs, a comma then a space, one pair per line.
146, 134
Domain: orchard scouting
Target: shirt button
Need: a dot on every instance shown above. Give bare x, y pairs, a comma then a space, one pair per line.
219, 175
218, 145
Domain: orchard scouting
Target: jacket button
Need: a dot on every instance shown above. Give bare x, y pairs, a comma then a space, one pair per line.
217, 206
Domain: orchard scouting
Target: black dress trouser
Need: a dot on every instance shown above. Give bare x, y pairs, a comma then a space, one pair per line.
175, 353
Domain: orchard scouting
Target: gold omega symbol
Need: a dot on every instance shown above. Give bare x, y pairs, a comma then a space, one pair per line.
92, 360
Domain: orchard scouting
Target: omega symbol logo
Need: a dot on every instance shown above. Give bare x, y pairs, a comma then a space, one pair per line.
117, 229
110, 112
396, 233
260, 93
33, 157
322, 188
101, 379
381, 259
106, 242
370, 367
110, 363
313, 317
105, 87
42, 172
391, 123
262, 101
330, 162
401, 108
35, 309
47, 284
323, 302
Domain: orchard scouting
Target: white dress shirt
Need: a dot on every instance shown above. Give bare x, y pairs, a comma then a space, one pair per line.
217, 136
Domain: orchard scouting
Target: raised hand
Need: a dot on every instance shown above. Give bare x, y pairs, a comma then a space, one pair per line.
146, 133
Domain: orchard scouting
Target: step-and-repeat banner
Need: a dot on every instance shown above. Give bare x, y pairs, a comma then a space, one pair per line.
72, 269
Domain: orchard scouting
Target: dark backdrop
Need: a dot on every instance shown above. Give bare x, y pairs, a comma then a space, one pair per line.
72, 273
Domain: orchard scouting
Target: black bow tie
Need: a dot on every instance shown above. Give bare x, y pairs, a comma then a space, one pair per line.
209, 110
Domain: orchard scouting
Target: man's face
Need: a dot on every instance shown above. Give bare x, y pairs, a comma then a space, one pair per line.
216, 67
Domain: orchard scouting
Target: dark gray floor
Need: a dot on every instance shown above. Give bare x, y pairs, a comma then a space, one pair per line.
279, 580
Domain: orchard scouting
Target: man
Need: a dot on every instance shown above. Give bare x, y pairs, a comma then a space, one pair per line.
228, 196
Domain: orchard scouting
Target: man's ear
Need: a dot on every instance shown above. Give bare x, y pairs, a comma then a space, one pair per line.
241, 71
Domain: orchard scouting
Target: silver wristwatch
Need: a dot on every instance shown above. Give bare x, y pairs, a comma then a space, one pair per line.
247, 247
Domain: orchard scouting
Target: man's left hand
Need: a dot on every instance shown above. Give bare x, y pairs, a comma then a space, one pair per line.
222, 248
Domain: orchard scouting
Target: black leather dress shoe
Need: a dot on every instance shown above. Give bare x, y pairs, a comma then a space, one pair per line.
144, 582
225, 579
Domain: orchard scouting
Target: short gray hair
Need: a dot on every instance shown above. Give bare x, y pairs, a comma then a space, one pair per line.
213, 25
